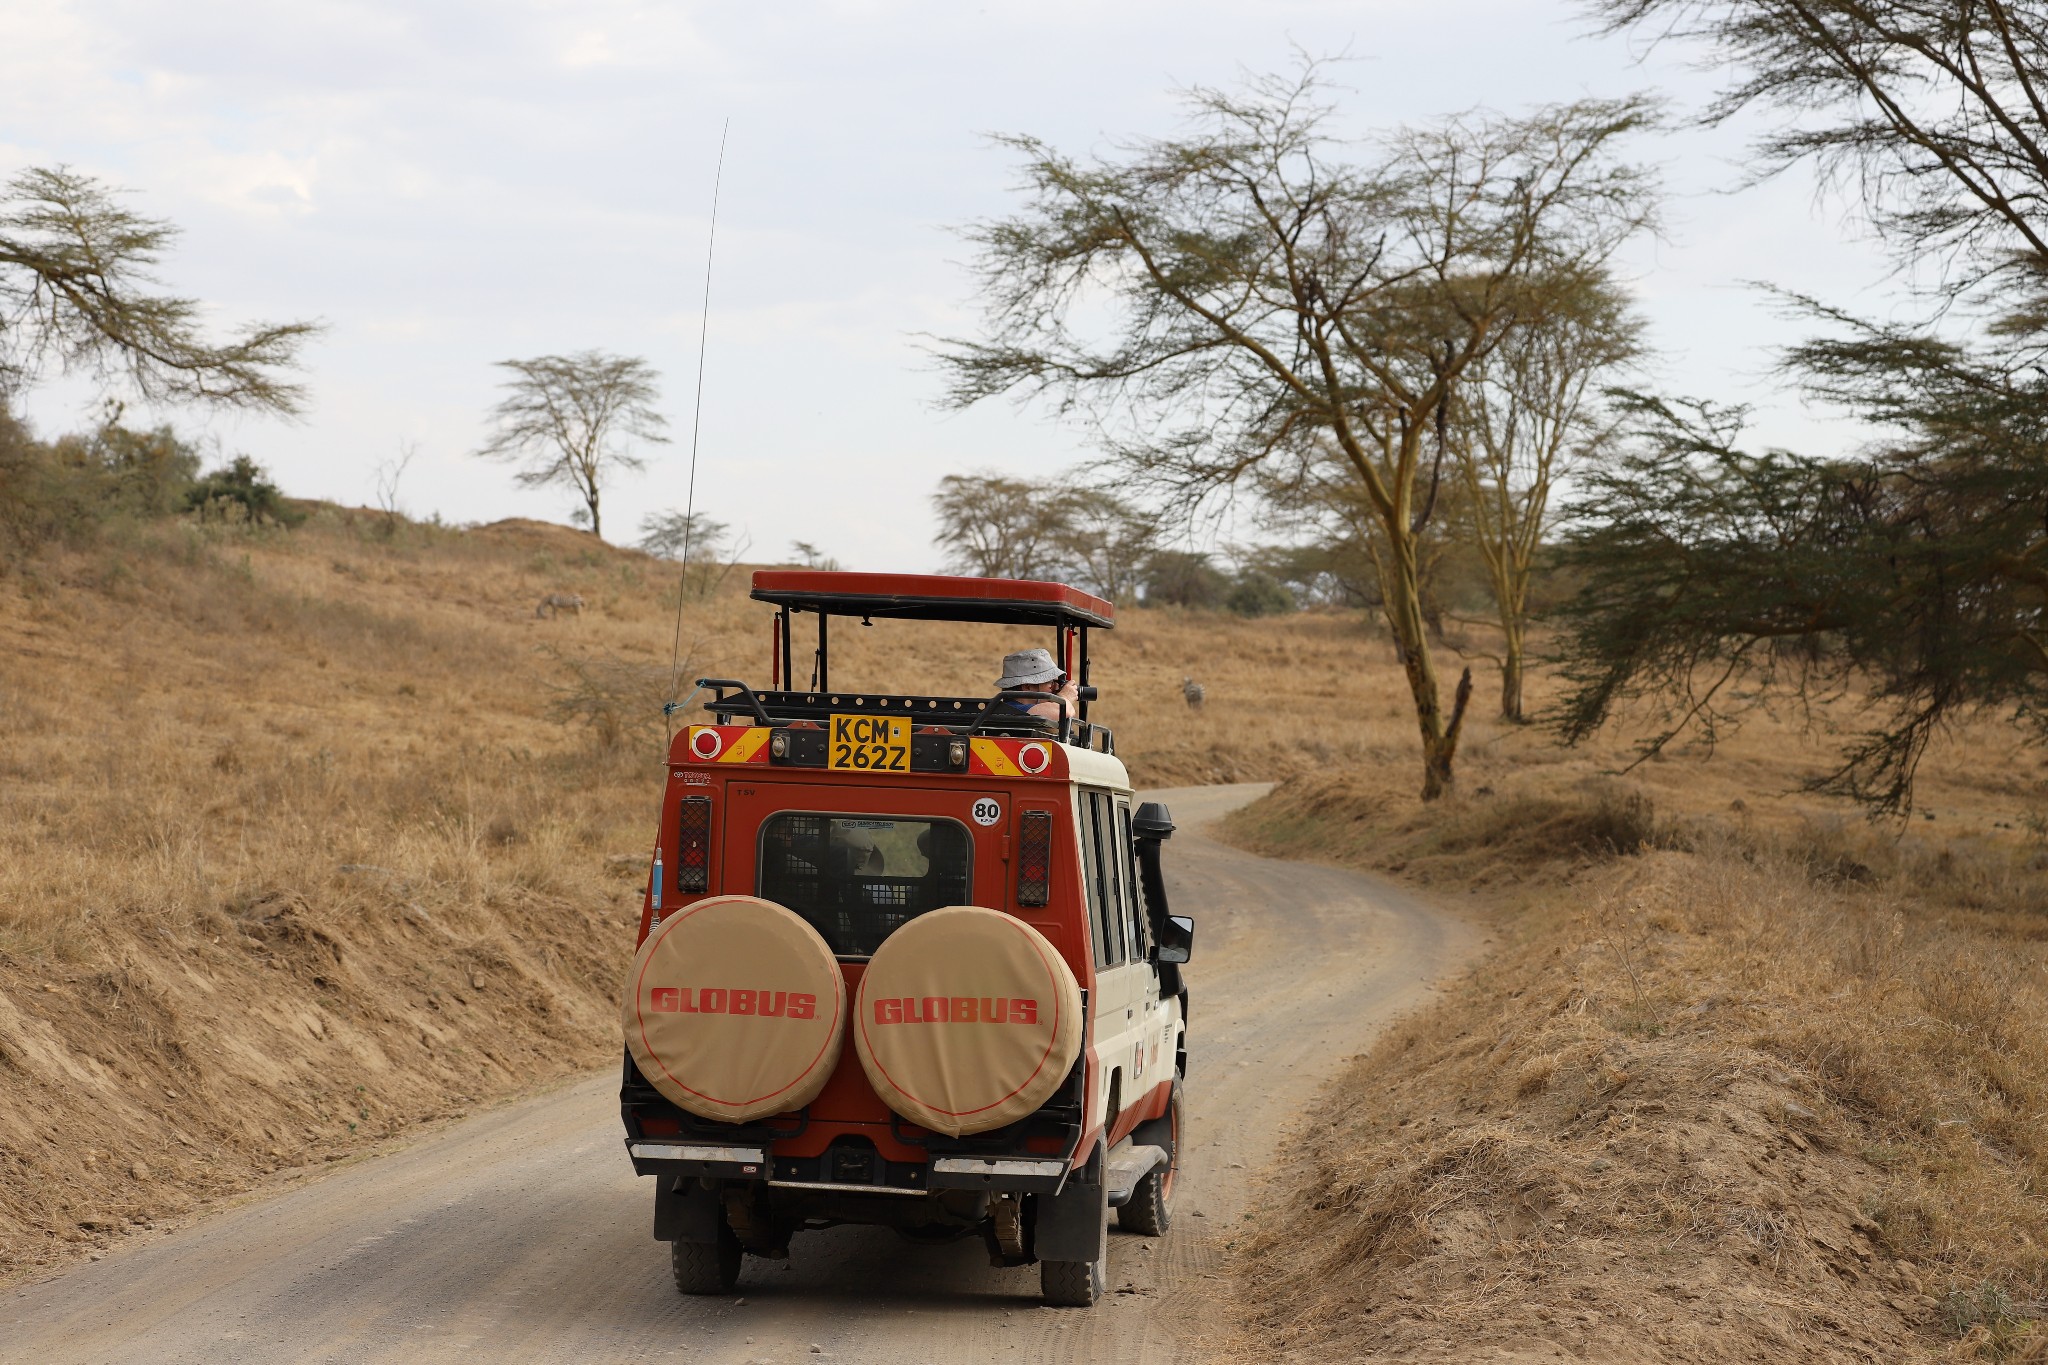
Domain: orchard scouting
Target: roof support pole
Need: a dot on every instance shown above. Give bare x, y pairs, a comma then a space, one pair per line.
1084, 673
788, 672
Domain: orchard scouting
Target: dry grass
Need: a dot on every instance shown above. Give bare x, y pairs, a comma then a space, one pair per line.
1748, 1078
297, 848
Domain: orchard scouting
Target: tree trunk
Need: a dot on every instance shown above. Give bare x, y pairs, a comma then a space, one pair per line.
1411, 637
1511, 668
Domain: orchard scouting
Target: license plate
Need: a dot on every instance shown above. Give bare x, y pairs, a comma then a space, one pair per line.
872, 744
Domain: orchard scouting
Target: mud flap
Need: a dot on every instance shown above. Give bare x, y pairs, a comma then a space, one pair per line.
1072, 1225
685, 1211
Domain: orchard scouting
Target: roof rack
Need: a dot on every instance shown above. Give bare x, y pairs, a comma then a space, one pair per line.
962, 715
1069, 612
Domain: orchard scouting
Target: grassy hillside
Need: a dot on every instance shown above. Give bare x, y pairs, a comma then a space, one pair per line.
309, 836
1747, 1078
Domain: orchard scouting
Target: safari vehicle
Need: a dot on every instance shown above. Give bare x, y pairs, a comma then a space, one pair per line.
906, 960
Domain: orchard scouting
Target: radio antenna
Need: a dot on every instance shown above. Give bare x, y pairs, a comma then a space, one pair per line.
696, 424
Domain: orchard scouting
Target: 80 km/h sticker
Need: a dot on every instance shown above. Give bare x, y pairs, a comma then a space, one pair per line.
987, 811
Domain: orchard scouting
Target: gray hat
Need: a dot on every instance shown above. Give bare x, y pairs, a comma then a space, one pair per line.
1028, 666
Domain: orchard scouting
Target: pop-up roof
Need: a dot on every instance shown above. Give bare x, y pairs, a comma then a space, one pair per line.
932, 597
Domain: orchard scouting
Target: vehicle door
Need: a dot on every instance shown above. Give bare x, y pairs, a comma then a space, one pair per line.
1157, 1019
1118, 989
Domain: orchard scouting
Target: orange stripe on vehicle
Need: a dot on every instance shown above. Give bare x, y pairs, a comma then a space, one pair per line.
744, 749
991, 757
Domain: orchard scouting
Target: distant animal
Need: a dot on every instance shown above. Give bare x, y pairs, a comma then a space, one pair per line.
557, 602
1192, 690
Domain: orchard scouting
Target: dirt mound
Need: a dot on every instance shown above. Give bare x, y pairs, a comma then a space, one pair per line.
528, 531
1699, 1108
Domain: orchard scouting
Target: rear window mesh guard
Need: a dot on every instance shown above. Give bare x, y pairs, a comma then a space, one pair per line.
1034, 857
693, 847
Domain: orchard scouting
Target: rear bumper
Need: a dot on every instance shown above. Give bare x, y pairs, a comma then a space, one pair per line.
654, 1157
1020, 1175
869, 1175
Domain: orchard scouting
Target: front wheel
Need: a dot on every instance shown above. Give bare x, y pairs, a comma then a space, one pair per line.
707, 1267
1149, 1210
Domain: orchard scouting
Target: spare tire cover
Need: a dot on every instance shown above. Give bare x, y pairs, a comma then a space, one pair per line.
967, 1019
735, 1009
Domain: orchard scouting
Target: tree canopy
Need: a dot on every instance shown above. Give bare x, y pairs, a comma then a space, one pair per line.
1258, 303
569, 419
1911, 575
78, 288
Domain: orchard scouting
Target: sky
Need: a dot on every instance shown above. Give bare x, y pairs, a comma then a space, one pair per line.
445, 184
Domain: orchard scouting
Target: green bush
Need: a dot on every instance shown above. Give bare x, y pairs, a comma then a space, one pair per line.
42, 497
241, 492
1184, 578
68, 490
1259, 594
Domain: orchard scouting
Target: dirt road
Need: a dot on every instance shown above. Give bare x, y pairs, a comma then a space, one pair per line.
522, 1235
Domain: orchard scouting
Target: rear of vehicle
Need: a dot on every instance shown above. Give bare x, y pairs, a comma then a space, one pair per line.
998, 1058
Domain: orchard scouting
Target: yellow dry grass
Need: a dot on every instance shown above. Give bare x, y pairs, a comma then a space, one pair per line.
1748, 1077
295, 854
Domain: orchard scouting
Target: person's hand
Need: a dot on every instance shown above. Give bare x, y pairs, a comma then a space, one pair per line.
1049, 710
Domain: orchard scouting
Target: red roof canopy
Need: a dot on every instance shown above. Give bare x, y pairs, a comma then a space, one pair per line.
933, 597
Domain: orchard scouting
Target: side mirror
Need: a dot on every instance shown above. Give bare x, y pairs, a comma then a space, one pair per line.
1176, 939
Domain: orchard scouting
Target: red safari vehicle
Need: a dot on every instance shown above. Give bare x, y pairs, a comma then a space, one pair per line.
906, 960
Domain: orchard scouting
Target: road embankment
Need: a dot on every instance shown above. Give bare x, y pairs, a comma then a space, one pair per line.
1715, 1096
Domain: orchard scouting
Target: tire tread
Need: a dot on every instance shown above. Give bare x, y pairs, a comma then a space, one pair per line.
706, 1267
1071, 1284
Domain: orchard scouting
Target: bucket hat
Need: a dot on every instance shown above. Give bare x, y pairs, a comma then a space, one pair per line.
1028, 666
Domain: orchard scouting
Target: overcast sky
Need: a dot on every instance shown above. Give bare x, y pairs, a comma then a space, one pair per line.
448, 183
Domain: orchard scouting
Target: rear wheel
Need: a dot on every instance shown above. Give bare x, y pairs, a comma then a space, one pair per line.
1071, 1284
1149, 1211
1078, 1284
707, 1267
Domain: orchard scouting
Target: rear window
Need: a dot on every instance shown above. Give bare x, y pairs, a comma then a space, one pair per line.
857, 877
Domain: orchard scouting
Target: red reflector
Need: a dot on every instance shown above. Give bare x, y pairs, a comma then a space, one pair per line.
1034, 858
661, 1127
693, 847
1045, 1146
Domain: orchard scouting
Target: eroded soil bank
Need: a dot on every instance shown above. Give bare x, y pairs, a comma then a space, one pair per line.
1713, 1097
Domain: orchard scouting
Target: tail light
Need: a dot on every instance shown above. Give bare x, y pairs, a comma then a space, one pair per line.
693, 847
1034, 857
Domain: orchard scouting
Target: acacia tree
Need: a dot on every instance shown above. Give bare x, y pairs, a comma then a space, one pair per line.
566, 419
1110, 541
997, 527
1913, 581
1912, 574
1530, 412
708, 549
1241, 305
77, 287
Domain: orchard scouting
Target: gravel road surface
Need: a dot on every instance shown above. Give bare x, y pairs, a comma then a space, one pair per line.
522, 1235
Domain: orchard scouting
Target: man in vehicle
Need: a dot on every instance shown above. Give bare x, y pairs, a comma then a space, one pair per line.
1033, 670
